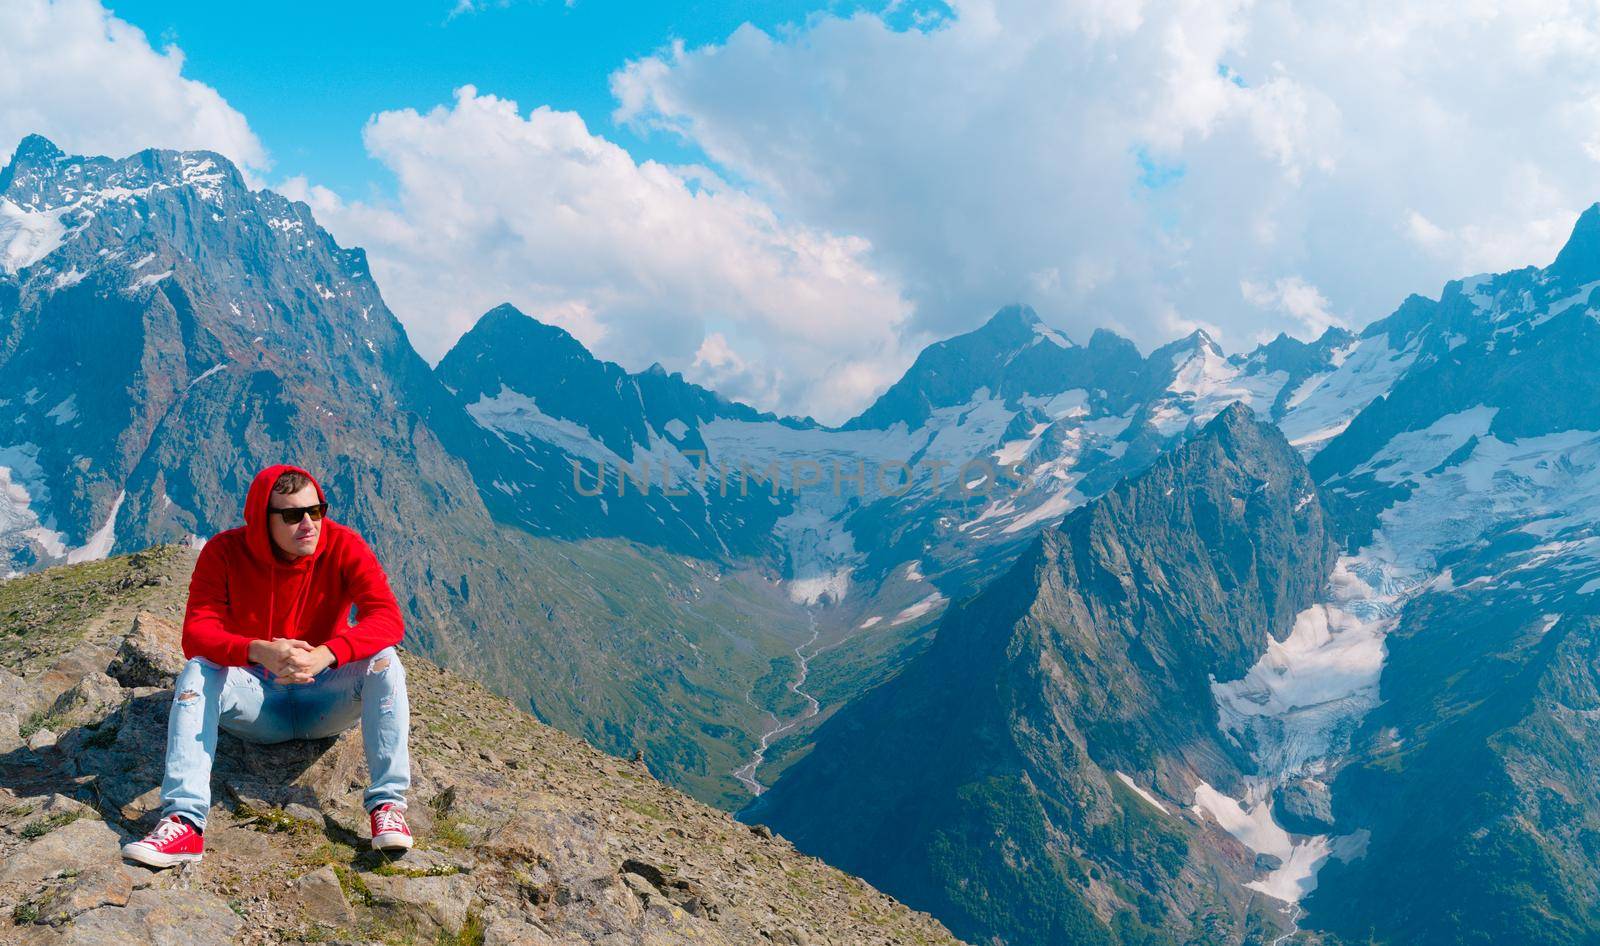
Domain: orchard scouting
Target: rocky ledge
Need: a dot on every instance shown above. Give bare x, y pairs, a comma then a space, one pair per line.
525, 835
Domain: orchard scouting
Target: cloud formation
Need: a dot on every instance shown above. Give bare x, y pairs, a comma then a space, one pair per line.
642, 262
92, 83
1252, 166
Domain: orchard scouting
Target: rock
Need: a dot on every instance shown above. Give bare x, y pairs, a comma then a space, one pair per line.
17, 698
440, 862
761, 831
301, 812
87, 701
79, 845
154, 917
58, 808
439, 903
300, 771
41, 739
143, 810
106, 885
1268, 862
62, 676
151, 655
642, 888
10, 735
322, 898
1304, 806
514, 933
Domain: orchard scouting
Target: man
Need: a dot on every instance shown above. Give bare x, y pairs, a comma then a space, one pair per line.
273, 656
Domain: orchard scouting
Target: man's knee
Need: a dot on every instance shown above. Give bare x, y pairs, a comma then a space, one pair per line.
192, 681
387, 663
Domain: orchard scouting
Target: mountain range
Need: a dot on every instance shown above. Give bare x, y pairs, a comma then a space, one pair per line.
1052, 640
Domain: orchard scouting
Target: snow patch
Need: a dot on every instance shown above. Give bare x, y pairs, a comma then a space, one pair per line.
26, 237
145, 282
912, 612
1250, 823
1154, 803
207, 373
99, 544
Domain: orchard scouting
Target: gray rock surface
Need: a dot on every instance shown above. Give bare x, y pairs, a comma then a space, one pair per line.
322, 898
150, 656
1304, 806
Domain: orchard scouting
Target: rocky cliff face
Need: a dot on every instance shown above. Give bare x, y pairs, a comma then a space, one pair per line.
1027, 777
526, 836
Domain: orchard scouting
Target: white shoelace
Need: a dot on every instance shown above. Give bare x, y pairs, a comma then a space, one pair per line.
168, 829
390, 819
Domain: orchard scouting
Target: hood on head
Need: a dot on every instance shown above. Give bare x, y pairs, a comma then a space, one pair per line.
257, 539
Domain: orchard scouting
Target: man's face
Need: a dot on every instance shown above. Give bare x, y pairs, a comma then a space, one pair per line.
298, 539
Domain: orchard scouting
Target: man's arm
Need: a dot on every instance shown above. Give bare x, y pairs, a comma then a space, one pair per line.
205, 633
378, 621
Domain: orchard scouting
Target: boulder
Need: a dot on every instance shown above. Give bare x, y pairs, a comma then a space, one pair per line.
433, 903
509, 932
105, 885
84, 843
1304, 806
17, 698
152, 917
65, 673
87, 702
322, 898
10, 733
151, 655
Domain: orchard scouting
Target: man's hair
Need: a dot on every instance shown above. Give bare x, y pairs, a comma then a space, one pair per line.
291, 482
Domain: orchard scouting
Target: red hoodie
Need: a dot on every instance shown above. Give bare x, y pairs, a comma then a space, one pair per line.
243, 590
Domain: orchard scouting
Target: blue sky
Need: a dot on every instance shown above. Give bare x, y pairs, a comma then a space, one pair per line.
309, 75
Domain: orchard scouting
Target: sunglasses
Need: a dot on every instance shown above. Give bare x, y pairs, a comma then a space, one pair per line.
293, 514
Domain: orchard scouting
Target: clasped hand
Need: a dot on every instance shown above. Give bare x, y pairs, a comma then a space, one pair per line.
290, 660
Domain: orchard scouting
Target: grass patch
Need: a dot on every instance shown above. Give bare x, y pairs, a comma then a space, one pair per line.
43, 614
644, 808
37, 720
355, 888
392, 869
273, 820
470, 934
24, 913
42, 827
449, 831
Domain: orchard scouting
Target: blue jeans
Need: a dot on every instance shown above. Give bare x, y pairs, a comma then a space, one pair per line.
250, 703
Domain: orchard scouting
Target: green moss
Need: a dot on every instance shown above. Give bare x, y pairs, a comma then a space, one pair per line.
644, 808
273, 820
42, 827
391, 869
354, 886
470, 934
448, 832
39, 719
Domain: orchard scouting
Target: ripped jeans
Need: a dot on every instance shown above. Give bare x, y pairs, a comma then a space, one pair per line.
249, 703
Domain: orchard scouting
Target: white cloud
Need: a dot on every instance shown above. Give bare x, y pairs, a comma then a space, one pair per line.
640, 261
1138, 162
1295, 298
91, 83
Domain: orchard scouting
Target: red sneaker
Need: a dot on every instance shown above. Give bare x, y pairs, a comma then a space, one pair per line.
389, 829
173, 841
